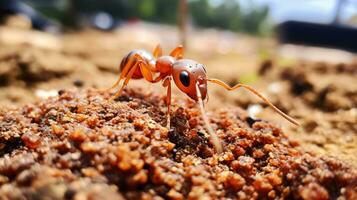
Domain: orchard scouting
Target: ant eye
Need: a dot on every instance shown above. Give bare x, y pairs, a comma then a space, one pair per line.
185, 78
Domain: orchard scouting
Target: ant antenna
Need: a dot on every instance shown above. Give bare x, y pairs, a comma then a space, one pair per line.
214, 138
221, 83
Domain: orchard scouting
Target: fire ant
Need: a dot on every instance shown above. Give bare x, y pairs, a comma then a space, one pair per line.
189, 76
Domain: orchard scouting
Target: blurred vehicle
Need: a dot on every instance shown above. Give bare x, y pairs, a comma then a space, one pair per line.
314, 34
336, 34
38, 21
104, 21
100, 20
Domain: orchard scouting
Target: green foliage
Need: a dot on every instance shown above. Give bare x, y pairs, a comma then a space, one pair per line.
227, 15
253, 21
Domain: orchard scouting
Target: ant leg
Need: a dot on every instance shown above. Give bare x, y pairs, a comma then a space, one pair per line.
125, 71
146, 71
130, 74
147, 74
167, 83
157, 51
177, 52
214, 138
227, 87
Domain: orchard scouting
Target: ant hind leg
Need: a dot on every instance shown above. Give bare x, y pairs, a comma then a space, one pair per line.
157, 51
126, 81
177, 52
124, 71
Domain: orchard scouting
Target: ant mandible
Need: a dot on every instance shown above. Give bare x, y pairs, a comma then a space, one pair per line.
189, 76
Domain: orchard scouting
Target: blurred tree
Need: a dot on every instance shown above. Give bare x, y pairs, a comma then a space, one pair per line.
182, 22
146, 8
228, 15
253, 21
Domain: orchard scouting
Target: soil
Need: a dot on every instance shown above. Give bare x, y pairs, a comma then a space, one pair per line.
77, 145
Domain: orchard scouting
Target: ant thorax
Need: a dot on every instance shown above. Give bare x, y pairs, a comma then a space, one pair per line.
164, 64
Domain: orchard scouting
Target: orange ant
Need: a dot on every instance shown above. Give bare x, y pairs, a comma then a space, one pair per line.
189, 76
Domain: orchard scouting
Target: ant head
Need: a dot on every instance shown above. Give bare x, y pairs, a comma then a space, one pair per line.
186, 74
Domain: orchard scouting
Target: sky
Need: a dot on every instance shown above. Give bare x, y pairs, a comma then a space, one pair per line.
320, 11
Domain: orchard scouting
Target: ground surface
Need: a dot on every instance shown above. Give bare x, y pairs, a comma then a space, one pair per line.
81, 146
321, 95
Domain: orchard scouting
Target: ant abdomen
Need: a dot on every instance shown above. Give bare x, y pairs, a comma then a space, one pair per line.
132, 57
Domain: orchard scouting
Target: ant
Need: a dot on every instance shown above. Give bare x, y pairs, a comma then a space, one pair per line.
189, 76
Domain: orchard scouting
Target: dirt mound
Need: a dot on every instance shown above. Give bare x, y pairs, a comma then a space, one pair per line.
30, 66
79, 145
323, 97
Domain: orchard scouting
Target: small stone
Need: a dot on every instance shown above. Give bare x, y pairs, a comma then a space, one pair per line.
31, 140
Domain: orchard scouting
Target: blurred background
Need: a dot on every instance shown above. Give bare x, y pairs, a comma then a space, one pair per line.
250, 16
326, 23
300, 54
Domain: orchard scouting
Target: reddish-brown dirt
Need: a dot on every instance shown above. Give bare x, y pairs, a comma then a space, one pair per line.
80, 145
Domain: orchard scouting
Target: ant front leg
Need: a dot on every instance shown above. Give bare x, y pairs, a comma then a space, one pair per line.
167, 83
214, 138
